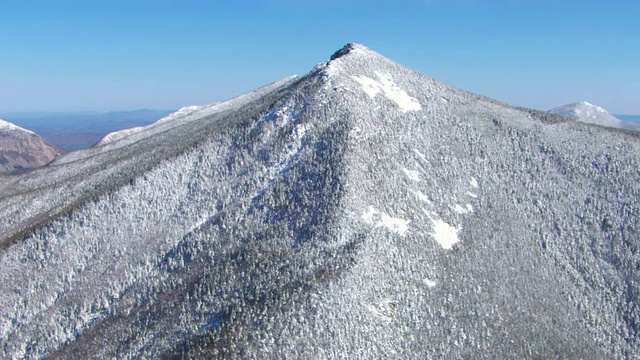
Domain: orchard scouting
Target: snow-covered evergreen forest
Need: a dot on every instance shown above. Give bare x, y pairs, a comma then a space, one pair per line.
361, 210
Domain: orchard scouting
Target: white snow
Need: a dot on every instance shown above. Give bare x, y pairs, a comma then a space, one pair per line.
370, 86
412, 174
121, 134
7, 126
473, 182
463, 210
181, 112
396, 225
459, 209
423, 197
588, 113
444, 234
381, 219
182, 116
430, 283
472, 194
368, 214
389, 89
117, 135
420, 154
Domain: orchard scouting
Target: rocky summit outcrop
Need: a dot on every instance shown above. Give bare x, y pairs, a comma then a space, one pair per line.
363, 210
21, 149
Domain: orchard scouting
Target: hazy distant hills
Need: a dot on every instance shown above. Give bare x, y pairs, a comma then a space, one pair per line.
73, 131
22, 149
362, 210
593, 114
630, 118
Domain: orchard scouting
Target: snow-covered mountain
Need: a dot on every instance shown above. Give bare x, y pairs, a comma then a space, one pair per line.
361, 210
22, 149
593, 114
120, 134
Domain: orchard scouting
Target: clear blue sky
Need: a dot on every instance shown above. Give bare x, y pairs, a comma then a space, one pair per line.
63, 55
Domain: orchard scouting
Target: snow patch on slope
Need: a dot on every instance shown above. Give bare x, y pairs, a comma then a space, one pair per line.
389, 89
412, 174
463, 210
430, 283
381, 219
444, 234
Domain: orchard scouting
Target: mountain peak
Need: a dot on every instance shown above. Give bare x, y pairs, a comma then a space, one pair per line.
587, 105
22, 149
7, 126
350, 47
589, 113
321, 216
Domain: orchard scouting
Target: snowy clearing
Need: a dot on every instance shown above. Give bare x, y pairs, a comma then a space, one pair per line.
412, 174
389, 89
445, 234
381, 219
430, 283
396, 225
422, 197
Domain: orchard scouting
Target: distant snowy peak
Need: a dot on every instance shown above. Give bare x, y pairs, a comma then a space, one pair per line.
6, 126
22, 149
588, 113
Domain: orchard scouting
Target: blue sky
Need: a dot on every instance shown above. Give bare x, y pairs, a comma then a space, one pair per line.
64, 55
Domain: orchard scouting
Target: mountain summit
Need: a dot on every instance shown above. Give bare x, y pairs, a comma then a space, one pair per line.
361, 210
593, 114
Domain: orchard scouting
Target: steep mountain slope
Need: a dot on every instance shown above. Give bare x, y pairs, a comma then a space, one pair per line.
592, 114
21, 149
362, 210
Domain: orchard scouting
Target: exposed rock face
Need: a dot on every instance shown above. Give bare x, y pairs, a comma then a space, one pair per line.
21, 149
362, 210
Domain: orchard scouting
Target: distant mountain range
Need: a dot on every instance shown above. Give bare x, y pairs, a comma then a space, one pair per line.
630, 118
362, 210
77, 130
593, 114
22, 149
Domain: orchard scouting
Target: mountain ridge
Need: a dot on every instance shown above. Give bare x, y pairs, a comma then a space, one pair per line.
22, 149
362, 208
